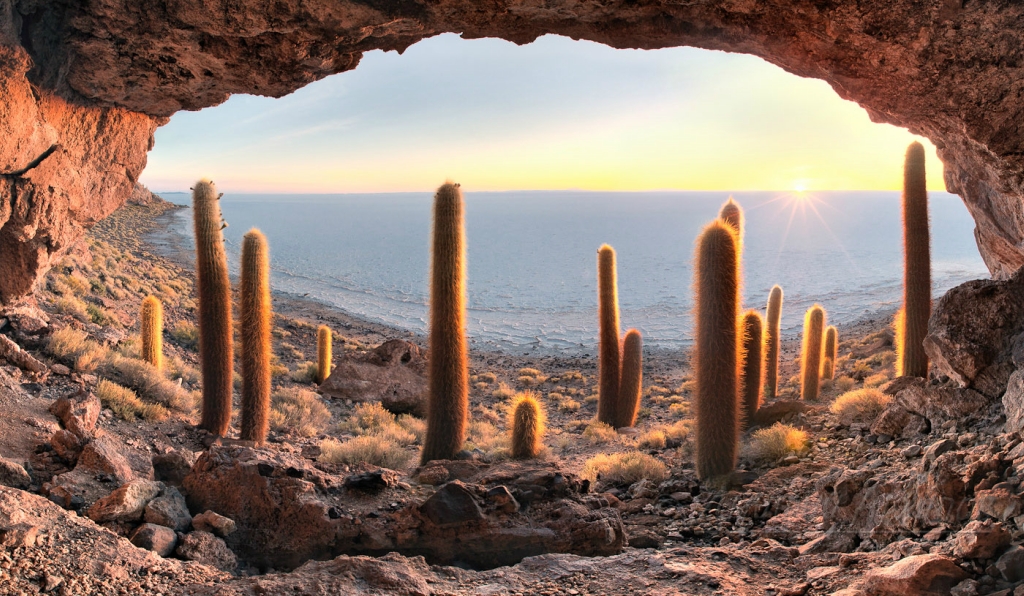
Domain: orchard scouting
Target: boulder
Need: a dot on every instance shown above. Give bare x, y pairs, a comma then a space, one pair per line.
205, 548
1011, 564
14, 475
67, 445
169, 510
918, 406
157, 538
208, 521
974, 327
980, 540
287, 512
78, 413
12, 352
998, 503
126, 504
1013, 402
394, 374
103, 456
173, 466
918, 575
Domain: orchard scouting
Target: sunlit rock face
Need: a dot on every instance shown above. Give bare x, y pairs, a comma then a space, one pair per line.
104, 74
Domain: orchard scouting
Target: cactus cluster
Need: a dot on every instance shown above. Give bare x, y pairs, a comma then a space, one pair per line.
254, 315
620, 361
917, 289
751, 372
771, 358
810, 353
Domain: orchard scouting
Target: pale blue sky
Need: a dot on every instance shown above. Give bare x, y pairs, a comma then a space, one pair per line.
553, 114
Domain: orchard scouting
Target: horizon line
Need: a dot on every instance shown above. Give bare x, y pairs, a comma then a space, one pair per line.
542, 190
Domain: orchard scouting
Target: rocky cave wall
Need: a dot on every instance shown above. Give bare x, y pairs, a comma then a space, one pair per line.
85, 83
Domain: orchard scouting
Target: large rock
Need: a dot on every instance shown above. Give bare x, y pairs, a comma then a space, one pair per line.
394, 374
78, 413
919, 406
172, 467
287, 512
169, 510
973, 329
126, 504
919, 575
157, 538
205, 548
980, 540
14, 475
102, 455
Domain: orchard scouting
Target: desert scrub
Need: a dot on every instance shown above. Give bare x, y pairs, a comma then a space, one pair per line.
413, 425
150, 383
305, 372
503, 391
177, 368
100, 316
126, 405
769, 445
876, 380
529, 372
567, 405
373, 450
862, 405
69, 305
653, 439
75, 347
186, 335
372, 419
599, 433
298, 411
485, 436
623, 469
487, 377
844, 384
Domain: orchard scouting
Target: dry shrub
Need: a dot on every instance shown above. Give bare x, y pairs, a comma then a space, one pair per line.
186, 335
679, 410
74, 346
371, 419
69, 305
149, 382
771, 444
416, 426
599, 433
485, 436
177, 368
126, 405
623, 469
487, 377
305, 373
529, 372
568, 405
298, 411
844, 384
503, 391
652, 439
876, 380
370, 449
862, 405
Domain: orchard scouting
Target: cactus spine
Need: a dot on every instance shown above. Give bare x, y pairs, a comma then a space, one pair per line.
716, 355
254, 297
609, 362
448, 407
810, 353
753, 353
323, 353
214, 289
631, 380
771, 376
828, 362
917, 285
527, 426
151, 323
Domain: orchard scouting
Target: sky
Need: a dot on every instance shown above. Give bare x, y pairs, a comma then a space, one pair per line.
555, 114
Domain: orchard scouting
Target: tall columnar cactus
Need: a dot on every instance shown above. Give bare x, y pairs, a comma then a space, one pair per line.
214, 289
254, 298
828, 361
771, 360
631, 380
448, 407
323, 353
609, 362
897, 333
810, 353
151, 327
917, 282
716, 354
753, 354
527, 423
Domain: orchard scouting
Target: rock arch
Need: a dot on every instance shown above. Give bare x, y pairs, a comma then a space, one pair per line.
86, 82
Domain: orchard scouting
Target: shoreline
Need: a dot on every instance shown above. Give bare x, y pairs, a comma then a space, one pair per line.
164, 241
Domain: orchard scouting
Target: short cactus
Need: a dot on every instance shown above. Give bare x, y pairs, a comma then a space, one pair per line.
527, 424
254, 324
716, 353
917, 285
771, 360
448, 407
810, 354
828, 361
323, 353
750, 380
609, 363
214, 289
151, 327
631, 380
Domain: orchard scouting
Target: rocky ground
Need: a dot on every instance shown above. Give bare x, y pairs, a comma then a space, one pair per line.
113, 490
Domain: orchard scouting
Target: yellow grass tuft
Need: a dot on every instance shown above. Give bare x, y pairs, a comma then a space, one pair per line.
769, 445
298, 411
624, 468
599, 433
126, 405
370, 449
862, 405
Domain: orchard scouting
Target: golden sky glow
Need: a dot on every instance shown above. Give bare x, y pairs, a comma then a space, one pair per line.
555, 114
